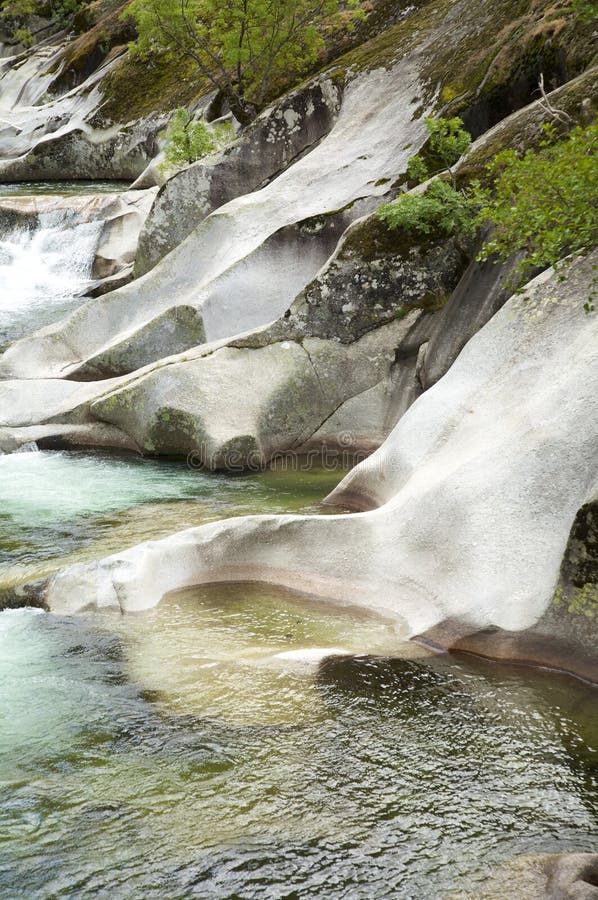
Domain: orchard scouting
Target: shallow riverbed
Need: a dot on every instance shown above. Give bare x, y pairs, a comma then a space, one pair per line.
172, 754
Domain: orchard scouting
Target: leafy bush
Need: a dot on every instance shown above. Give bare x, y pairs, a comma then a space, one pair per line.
188, 140
447, 142
23, 36
545, 202
440, 208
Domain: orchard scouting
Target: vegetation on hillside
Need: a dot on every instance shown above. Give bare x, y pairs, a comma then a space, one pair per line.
544, 202
441, 207
188, 140
240, 47
587, 10
15, 14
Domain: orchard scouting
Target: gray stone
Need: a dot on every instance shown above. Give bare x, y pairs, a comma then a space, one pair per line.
279, 136
471, 498
176, 330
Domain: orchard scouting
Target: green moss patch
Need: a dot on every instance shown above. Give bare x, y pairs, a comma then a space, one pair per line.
136, 88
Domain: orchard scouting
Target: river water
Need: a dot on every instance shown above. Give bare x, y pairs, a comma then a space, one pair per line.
199, 750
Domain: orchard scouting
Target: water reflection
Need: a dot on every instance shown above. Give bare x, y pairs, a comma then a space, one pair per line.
130, 765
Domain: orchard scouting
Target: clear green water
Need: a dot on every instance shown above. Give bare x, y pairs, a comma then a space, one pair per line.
60, 507
171, 755
176, 754
61, 188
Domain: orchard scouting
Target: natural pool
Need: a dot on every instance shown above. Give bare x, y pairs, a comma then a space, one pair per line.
175, 753
61, 507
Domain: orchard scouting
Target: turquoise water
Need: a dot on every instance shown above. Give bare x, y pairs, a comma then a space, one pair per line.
59, 507
200, 750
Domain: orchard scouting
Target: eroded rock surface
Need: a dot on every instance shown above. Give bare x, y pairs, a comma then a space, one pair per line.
471, 499
279, 136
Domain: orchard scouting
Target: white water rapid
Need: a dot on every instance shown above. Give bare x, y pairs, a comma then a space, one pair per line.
43, 270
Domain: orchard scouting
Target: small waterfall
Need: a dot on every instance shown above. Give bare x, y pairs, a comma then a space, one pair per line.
43, 270
29, 447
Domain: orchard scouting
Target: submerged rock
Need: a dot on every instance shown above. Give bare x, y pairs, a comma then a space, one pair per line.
548, 876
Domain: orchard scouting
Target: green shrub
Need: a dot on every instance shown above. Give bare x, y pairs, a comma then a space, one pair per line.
23, 36
544, 202
587, 10
447, 142
439, 209
188, 140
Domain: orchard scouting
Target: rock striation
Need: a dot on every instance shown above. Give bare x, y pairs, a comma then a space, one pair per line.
468, 505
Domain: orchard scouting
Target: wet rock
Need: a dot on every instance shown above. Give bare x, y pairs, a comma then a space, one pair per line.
580, 563
550, 876
573, 876
120, 217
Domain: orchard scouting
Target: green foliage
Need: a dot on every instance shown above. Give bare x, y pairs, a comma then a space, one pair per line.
23, 36
188, 140
15, 13
545, 202
417, 169
448, 140
242, 46
447, 143
587, 10
440, 209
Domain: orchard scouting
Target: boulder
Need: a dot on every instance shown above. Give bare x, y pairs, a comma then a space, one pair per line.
280, 135
237, 407
470, 500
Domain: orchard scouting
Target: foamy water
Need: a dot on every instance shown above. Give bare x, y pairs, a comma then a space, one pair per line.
42, 273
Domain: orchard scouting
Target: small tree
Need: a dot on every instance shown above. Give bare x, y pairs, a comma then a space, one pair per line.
188, 140
447, 142
241, 46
